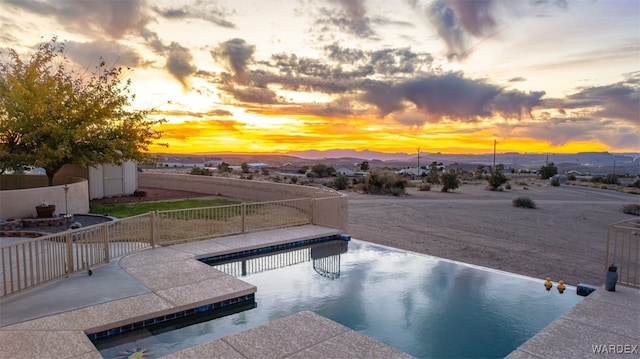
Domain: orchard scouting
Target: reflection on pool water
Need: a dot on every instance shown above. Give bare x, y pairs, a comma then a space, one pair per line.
422, 305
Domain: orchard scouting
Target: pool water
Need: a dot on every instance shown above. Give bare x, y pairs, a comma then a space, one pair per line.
425, 306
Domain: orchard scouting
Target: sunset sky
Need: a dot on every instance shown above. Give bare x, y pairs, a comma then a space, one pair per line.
447, 76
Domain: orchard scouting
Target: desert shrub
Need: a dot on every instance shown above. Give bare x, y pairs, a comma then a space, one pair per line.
635, 184
340, 183
608, 179
294, 180
524, 202
449, 181
200, 171
555, 181
497, 178
507, 185
425, 186
379, 181
571, 178
633, 209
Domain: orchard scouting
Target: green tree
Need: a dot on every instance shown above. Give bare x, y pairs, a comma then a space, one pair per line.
51, 116
340, 183
303, 169
449, 181
364, 166
547, 171
496, 177
321, 170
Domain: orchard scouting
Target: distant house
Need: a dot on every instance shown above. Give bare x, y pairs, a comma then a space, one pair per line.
574, 173
180, 162
288, 168
345, 172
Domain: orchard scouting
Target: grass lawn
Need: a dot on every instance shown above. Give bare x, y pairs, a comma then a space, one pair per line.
121, 210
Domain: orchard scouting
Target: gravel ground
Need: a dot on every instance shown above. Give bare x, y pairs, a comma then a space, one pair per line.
85, 220
564, 238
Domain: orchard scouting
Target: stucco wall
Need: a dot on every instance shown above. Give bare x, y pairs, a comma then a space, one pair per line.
21, 203
249, 190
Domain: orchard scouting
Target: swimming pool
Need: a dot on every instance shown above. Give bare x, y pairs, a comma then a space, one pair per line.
422, 305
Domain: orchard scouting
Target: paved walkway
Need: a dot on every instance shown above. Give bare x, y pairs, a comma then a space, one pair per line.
603, 324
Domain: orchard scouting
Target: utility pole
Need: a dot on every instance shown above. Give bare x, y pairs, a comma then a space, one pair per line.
418, 162
494, 154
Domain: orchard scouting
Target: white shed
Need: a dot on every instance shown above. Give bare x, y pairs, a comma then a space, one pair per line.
106, 180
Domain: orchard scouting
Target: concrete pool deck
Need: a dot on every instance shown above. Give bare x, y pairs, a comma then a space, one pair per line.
52, 321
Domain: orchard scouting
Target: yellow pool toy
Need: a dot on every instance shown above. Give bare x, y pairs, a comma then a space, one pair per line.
561, 286
548, 284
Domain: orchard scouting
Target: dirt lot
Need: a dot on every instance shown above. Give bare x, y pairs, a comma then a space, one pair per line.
564, 238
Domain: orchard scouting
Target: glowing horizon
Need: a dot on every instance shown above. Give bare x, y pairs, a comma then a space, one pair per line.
448, 76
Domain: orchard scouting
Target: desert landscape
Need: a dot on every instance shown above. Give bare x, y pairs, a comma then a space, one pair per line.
563, 238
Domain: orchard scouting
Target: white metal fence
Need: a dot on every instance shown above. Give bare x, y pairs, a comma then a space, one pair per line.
34, 261
623, 250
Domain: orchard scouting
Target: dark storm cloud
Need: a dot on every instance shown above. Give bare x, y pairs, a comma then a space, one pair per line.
344, 55
448, 27
475, 17
352, 22
348, 63
459, 22
619, 101
384, 96
114, 54
111, 18
516, 104
238, 54
257, 95
356, 12
199, 10
450, 95
179, 60
615, 101
154, 42
398, 61
292, 65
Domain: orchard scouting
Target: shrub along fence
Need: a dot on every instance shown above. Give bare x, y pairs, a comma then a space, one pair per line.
31, 262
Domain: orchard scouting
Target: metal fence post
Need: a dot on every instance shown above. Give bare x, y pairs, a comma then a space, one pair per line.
153, 220
106, 243
69, 253
244, 216
311, 204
